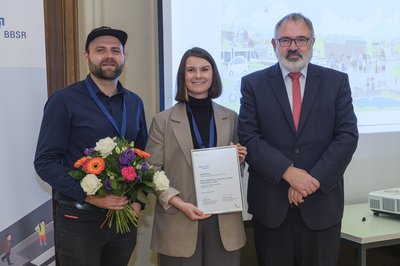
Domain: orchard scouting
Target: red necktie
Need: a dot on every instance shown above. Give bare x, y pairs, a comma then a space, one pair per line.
296, 94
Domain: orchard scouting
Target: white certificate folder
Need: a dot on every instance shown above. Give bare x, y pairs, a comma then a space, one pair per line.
217, 179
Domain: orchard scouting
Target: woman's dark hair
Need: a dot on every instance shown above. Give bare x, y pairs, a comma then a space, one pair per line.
216, 85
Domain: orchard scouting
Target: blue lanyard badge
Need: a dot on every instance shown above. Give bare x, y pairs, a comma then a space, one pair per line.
121, 132
197, 133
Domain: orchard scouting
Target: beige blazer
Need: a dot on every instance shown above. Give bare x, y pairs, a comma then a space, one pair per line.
170, 143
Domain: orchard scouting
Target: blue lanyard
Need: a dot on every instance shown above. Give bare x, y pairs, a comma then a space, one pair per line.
197, 133
121, 132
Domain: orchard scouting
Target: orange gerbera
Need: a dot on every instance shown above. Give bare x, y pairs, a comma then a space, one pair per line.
94, 166
141, 153
81, 162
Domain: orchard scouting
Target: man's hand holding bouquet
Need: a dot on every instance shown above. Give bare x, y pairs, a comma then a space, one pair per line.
116, 177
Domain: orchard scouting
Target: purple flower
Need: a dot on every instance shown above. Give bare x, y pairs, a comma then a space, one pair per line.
145, 166
126, 157
88, 151
107, 184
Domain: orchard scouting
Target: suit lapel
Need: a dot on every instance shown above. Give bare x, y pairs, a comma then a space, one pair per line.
278, 86
311, 89
181, 128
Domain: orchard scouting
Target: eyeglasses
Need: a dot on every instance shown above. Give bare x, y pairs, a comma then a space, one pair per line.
300, 42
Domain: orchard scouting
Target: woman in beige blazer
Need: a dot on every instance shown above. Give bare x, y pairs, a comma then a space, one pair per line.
182, 233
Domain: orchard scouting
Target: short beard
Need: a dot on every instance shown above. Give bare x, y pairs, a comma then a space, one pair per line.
294, 66
106, 75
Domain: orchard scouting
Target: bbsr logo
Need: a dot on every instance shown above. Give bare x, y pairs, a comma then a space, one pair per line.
11, 34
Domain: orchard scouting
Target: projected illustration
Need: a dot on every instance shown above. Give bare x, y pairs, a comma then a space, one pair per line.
365, 44
357, 37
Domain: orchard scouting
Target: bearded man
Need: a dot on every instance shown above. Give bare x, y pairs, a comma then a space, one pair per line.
298, 124
74, 119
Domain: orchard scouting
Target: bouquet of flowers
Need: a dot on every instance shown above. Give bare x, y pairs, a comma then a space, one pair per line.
116, 167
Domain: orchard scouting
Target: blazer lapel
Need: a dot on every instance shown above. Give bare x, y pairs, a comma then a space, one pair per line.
222, 125
313, 81
278, 86
181, 128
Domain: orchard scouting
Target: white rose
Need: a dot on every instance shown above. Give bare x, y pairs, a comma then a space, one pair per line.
105, 146
161, 180
90, 184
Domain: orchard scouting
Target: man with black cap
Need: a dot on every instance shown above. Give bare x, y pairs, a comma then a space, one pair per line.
75, 118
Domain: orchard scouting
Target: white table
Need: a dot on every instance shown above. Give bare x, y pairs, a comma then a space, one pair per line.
376, 231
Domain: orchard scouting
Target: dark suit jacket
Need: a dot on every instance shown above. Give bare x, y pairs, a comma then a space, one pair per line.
323, 145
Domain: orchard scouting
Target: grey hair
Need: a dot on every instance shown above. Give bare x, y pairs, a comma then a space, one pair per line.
294, 17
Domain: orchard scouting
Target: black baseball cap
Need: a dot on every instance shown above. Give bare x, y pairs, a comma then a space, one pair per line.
122, 36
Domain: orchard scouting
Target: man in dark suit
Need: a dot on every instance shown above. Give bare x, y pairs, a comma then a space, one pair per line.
300, 136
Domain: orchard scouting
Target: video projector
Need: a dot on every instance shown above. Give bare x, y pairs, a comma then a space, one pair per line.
385, 201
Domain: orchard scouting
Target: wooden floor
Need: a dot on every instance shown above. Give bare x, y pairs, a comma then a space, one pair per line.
386, 256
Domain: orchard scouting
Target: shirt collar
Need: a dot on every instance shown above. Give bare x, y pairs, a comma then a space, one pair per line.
286, 72
120, 88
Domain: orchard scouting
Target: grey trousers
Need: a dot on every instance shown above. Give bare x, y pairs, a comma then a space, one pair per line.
209, 249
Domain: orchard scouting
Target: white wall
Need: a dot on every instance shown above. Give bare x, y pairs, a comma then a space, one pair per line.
375, 166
